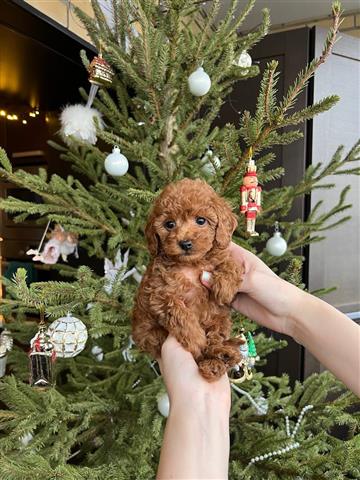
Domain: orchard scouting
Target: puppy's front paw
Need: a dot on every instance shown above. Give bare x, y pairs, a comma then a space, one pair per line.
212, 369
226, 284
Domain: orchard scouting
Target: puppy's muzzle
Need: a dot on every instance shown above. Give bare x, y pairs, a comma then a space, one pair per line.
186, 245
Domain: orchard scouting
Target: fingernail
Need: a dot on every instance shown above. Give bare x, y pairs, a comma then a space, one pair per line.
206, 276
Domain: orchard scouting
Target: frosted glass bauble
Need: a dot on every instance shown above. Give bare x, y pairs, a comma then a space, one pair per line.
69, 335
116, 164
199, 82
244, 60
276, 245
163, 404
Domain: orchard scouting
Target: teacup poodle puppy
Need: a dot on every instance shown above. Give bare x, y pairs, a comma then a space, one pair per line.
188, 232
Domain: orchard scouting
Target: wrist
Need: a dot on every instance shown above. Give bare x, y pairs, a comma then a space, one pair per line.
298, 316
202, 403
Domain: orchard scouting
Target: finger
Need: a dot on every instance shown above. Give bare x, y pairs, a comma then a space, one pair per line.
250, 308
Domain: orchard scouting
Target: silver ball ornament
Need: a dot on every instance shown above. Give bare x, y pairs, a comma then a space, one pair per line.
163, 404
68, 335
276, 245
116, 164
199, 82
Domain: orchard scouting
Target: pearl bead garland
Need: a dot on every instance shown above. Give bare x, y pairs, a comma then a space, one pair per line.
289, 447
299, 420
274, 453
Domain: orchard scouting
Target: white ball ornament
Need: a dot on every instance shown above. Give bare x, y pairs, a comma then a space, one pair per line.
116, 164
98, 353
211, 163
163, 404
245, 60
69, 335
199, 82
276, 245
26, 439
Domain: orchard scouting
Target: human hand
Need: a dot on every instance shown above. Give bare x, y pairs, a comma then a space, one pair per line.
263, 296
184, 384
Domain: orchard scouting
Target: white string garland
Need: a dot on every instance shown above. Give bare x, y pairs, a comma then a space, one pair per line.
261, 410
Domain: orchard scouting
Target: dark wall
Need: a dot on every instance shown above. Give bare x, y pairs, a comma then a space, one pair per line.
40, 69
292, 51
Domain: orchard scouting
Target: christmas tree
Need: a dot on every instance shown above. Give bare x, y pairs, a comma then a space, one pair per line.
101, 420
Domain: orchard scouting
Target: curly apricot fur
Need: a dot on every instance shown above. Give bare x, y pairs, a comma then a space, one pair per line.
171, 298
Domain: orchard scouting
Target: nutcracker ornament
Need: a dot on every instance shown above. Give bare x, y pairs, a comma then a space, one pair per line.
42, 356
250, 197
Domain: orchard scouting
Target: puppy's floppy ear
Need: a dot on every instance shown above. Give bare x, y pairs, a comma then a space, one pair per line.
151, 237
227, 222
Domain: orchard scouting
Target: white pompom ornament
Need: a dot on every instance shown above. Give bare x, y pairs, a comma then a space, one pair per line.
199, 82
78, 121
69, 335
163, 404
276, 245
116, 164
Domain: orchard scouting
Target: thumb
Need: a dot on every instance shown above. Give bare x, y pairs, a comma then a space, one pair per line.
206, 279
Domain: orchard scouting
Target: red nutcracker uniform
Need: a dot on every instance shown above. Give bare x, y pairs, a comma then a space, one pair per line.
250, 198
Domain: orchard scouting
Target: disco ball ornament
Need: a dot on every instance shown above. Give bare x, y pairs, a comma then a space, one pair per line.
199, 82
116, 164
69, 335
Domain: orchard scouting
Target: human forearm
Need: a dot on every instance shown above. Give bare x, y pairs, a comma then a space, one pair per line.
329, 335
196, 441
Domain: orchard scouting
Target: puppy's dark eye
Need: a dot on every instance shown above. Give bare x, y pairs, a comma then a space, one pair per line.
169, 224
200, 220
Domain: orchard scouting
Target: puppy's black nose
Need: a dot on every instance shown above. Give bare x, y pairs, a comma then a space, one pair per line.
186, 245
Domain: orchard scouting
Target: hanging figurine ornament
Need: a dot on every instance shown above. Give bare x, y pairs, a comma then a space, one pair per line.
6, 344
199, 82
116, 164
243, 370
276, 245
127, 351
244, 61
250, 196
6, 341
42, 357
61, 243
69, 336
